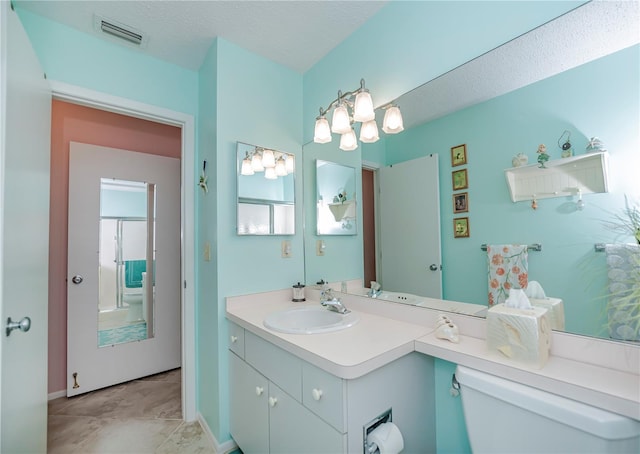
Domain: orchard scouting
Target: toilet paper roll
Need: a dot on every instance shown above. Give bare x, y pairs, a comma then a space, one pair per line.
387, 438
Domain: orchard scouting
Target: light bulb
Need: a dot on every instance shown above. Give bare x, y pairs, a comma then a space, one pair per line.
268, 160
392, 123
369, 132
256, 162
348, 141
322, 132
246, 167
281, 169
289, 162
363, 107
340, 123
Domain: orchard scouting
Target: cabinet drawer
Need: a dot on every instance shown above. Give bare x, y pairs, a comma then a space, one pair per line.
325, 395
293, 428
279, 366
236, 339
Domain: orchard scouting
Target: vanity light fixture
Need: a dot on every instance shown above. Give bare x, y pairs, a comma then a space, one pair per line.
355, 106
274, 164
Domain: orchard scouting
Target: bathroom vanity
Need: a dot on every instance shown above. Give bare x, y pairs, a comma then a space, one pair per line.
315, 393
280, 402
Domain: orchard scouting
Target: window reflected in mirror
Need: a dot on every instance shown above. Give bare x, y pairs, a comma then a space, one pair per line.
126, 255
336, 199
266, 191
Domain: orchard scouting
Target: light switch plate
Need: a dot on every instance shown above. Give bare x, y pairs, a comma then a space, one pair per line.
320, 247
286, 249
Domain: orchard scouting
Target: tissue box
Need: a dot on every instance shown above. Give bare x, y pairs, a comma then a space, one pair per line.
556, 311
523, 335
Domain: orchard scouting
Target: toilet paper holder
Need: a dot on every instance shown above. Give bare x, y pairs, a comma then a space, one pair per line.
371, 426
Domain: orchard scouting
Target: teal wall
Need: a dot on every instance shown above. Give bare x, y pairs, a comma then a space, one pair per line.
409, 43
258, 102
207, 336
596, 99
69, 56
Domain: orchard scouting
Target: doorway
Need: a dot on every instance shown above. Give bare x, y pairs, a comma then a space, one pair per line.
369, 181
97, 103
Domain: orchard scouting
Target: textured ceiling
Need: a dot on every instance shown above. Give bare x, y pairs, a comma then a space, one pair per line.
584, 34
295, 34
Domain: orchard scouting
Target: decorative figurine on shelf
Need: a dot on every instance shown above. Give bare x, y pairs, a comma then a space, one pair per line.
595, 145
566, 145
519, 160
542, 155
341, 197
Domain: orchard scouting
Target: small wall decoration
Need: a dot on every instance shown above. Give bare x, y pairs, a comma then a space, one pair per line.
461, 228
458, 155
459, 179
460, 202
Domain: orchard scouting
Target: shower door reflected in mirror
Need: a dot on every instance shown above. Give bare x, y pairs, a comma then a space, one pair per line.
126, 257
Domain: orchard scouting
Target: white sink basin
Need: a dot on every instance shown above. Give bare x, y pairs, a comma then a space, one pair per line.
309, 320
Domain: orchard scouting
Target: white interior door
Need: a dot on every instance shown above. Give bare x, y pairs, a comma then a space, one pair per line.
25, 118
98, 366
410, 254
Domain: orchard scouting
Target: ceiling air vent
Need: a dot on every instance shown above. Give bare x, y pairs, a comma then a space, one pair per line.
120, 30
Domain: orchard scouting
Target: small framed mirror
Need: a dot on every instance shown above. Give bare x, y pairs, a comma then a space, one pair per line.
266, 191
336, 199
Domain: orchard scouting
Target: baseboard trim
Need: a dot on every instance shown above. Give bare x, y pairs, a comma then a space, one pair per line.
222, 448
57, 394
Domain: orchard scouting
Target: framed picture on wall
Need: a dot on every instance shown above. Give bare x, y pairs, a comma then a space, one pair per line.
459, 179
458, 155
460, 202
461, 228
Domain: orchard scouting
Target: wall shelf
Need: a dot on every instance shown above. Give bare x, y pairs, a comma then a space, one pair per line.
587, 173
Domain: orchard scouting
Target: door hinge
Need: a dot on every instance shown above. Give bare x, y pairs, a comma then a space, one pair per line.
185, 284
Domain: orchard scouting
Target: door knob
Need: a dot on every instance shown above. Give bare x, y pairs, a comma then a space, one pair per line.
23, 325
433, 267
77, 279
273, 401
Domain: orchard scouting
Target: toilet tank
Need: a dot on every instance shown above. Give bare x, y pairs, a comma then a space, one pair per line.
503, 416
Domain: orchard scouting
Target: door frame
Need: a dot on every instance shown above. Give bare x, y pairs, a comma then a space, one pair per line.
110, 103
375, 168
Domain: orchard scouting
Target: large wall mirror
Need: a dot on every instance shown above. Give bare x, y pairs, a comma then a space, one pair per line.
335, 199
266, 191
499, 124
126, 257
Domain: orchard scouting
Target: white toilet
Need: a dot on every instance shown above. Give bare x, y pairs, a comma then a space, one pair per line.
136, 299
503, 416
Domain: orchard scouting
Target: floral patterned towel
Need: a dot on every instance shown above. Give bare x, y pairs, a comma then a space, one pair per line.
508, 267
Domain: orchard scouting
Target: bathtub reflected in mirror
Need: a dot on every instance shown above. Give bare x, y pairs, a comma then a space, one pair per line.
126, 255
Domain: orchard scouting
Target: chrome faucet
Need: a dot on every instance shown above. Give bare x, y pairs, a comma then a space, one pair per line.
375, 290
331, 302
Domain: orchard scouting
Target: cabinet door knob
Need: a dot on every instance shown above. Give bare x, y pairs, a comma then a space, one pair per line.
234, 339
316, 393
273, 401
259, 390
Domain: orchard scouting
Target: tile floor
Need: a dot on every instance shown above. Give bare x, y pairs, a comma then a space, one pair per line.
139, 417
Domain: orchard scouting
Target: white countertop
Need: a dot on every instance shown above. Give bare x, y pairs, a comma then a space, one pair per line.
388, 331
351, 353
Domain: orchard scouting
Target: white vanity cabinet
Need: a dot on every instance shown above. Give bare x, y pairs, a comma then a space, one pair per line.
280, 403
